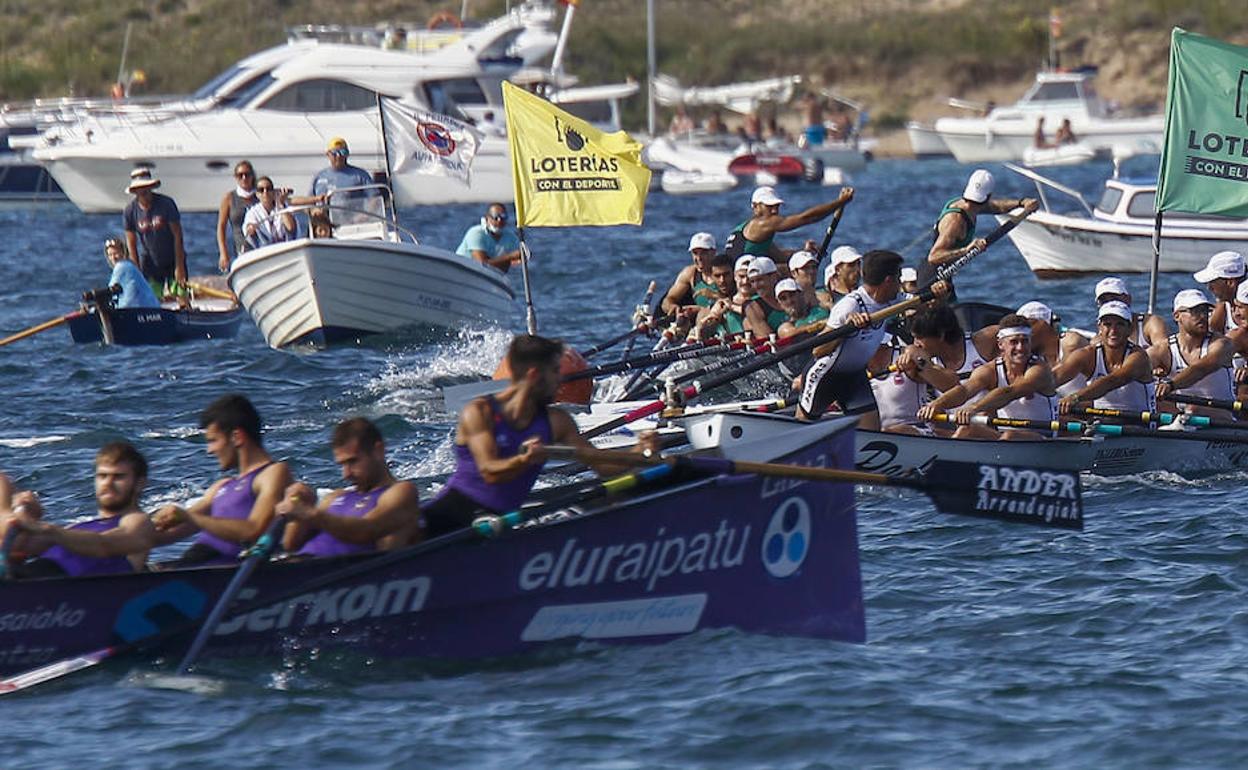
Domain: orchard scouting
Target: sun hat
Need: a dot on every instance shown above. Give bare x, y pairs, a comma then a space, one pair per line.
843, 255
1111, 285
909, 274
141, 179
801, 259
761, 266
743, 263
702, 241
337, 143
788, 284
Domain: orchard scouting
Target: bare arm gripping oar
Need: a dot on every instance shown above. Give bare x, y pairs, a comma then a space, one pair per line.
1018, 494
949, 269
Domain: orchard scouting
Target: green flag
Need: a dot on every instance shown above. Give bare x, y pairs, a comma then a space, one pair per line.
1204, 157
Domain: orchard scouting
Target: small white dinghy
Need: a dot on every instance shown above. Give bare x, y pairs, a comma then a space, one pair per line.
1061, 155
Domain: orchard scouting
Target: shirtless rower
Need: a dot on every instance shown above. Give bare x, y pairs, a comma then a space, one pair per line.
1018, 383
763, 313
234, 511
1195, 361
1117, 371
376, 513
1147, 329
841, 374
756, 235
500, 440
954, 231
1223, 274
842, 275
117, 540
693, 286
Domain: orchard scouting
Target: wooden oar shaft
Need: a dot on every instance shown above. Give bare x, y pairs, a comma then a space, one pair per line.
208, 291
41, 327
824, 348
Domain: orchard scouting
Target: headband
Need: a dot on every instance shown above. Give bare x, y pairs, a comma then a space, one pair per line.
1013, 331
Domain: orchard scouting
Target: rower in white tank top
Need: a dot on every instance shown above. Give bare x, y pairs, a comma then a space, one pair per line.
1037, 406
1218, 384
971, 360
897, 396
1133, 396
1074, 384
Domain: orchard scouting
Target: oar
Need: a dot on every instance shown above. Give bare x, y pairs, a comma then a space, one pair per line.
1057, 426
42, 327
1139, 431
1010, 493
644, 312
1183, 398
827, 236
208, 291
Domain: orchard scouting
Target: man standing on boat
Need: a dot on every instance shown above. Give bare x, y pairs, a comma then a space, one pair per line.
841, 375
693, 285
234, 511
116, 541
1223, 275
338, 175
153, 229
492, 242
499, 442
955, 225
377, 512
756, 235
1017, 384
1117, 371
1195, 361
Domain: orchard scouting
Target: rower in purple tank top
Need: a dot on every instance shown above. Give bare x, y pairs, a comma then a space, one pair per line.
377, 512
234, 511
499, 441
116, 541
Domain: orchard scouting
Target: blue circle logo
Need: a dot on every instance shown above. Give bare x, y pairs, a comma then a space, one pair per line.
787, 538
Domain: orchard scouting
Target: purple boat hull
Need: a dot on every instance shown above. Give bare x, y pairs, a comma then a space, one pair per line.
758, 554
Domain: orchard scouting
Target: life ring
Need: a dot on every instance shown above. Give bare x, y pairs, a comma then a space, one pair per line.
444, 17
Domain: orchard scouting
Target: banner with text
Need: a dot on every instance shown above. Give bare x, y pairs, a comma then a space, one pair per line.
1204, 158
566, 172
421, 142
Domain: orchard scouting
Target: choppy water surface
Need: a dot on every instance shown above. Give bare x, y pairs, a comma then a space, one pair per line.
990, 645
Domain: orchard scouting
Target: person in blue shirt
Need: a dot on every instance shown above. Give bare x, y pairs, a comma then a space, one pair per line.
492, 242
337, 175
135, 290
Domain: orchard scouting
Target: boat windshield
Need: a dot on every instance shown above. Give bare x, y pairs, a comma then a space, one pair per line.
210, 88
1109, 200
244, 94
1054, 92
1143, 205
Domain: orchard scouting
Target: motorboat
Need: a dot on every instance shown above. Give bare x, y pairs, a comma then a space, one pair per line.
283, 117
1005, 133
925, 142
1115, 235
372, 277
1058, 155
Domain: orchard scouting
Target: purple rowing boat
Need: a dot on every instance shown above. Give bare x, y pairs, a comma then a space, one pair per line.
732, 551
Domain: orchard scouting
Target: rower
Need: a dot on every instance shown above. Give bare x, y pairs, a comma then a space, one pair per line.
841, 375
842, 275
1117, 371
693, 286
117, 540
376, 513
906, 385
1017, 384
804, 269
763, 313
954, 231
1223, 274
800, 312
1147, 329
1050, 340
938, 333
234, 511
1239, 338
1195, 361
724, 315
756, 235
909, 280
500, 440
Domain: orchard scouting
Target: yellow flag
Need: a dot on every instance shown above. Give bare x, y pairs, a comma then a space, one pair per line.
566, 172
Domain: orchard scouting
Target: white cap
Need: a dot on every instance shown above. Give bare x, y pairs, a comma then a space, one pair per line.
1110, 285
829, 273
801, 259
1036, 311
743, 263
1190, 298
761, 266
788, 284
909, 274
1224, 264
702, 241
842, 255
979, 186
766, 195
1241, 294
1115, 308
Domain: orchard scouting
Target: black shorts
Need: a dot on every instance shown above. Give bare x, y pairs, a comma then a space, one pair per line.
449, 511
822, 386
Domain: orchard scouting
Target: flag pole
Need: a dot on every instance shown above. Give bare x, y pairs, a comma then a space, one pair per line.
385, 147
530, 314
1152, 278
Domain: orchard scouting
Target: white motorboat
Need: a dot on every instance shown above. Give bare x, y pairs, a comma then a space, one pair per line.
283, 117
925, 142
1115, 235
1061, 155
675, 181
372, 277
1005, 133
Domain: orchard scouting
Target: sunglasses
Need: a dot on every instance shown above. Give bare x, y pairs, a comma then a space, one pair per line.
264, 188
496, 217
339, 153
244, 174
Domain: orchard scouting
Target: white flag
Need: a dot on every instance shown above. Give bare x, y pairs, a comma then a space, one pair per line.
422, 142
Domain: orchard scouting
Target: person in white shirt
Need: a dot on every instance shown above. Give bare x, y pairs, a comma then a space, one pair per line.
261, 225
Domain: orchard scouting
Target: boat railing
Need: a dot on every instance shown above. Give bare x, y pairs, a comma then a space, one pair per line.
367, 217
1043, 182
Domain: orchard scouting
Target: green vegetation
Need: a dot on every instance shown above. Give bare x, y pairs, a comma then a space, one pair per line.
892, 54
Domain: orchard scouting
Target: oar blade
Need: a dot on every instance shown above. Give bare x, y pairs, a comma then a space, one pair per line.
1018, 494
54, 670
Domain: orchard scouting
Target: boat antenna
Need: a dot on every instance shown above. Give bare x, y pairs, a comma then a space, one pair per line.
561, 45
651, 68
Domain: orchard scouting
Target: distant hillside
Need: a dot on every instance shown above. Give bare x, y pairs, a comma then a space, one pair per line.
902, 58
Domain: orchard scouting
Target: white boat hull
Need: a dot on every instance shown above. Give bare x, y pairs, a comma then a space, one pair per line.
1055, 245
925, 142
320, 291
677, 182
1063, 155
978, 140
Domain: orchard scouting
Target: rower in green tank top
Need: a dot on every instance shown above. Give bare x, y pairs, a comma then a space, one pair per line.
763, 314
799, 311
756, 235
954, 231
693, 287
721, 292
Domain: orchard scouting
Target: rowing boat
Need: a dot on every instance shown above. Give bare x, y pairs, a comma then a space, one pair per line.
730, 551
206, 318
